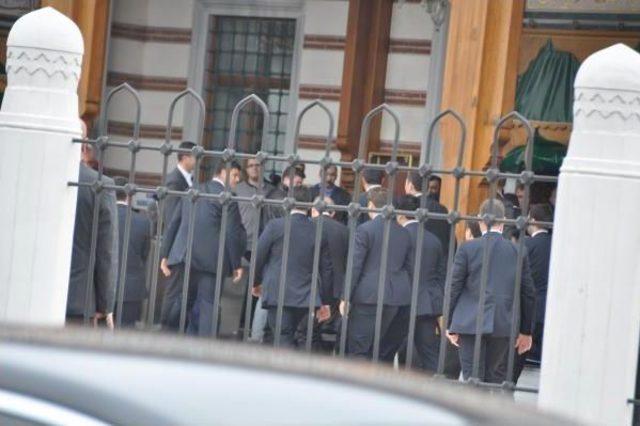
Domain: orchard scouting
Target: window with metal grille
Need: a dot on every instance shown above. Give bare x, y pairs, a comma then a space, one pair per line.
248, 55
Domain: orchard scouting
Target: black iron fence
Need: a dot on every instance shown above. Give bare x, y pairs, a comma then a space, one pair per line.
426, 169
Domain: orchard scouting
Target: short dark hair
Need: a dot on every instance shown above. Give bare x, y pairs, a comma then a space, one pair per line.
120, 181
541, 213
301, 167
373, 176
408, 202
222, 165
474, 227
377, 196
329, 166
492, 207
436, 178
416, 180
302, 195
296, 172
185, 145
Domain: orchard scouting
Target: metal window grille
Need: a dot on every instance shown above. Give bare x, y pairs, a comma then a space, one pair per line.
248, 55
391, 168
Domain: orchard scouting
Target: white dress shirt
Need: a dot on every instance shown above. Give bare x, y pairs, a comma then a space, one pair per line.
186, 175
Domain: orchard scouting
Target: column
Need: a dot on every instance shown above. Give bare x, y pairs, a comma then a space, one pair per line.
38, 119
479, 83
592, 319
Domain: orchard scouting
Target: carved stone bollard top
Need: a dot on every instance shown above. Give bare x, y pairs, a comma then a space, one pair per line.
44, 60
607, 101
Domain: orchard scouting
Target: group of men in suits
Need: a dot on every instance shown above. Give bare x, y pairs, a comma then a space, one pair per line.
200, 221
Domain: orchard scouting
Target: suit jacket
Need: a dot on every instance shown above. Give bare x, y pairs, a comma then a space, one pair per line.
367, 259
432, 272
174, 181
339, 196
337, 236
501, 276
362, 200
269, 259
439, 228
135, 285
105, 272
206, 236
539, 248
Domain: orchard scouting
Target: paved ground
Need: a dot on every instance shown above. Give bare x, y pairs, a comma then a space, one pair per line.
530, 378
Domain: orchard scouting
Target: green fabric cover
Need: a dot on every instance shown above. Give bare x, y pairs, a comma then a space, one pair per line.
545, 91
547, 157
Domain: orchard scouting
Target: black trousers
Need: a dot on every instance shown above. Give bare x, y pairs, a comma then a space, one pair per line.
361, 331
201, 315
131, 312
172, 299
291, 319
493, 357
427, 342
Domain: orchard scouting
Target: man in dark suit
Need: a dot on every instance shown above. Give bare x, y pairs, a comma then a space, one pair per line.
105, 272
465, 289
204, 258
337, 236
438, 227
433, 187
539, 250
297, 291
339, 195
370, 180
179, 179
511, 210
430, 287
135, 283
397, 285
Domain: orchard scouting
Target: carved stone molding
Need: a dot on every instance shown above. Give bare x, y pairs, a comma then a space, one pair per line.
31, 61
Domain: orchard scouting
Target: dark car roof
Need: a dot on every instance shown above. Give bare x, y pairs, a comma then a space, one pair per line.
144, 378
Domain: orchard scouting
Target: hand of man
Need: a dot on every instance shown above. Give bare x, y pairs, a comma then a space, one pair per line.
237, 275
323, 313
453, 338
164, 267
523, 343
256, 290
107, 317
342, 307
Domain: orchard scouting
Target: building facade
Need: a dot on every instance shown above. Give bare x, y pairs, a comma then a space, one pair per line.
419, 56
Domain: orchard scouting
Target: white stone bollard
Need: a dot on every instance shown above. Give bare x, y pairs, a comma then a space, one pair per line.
593, 306
38, 119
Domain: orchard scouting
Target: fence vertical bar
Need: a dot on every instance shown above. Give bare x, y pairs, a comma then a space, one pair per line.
228, 157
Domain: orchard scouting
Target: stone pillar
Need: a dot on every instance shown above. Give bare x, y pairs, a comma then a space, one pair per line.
38, 119
439, 12
593, 306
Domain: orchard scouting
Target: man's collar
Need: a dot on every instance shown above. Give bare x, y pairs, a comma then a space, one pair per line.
217, 179
187, 176
492, 231
300, 212
540, 231
122, 203
409, 222
373, 186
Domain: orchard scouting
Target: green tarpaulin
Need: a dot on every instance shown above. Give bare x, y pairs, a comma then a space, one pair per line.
547, 157
545, 91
